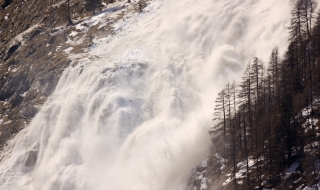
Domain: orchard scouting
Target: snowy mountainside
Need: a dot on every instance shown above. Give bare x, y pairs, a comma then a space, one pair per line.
132, 112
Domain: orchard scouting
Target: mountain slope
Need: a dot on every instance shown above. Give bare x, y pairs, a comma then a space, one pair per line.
133, 111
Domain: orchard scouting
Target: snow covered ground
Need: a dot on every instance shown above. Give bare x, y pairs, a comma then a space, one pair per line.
134, 110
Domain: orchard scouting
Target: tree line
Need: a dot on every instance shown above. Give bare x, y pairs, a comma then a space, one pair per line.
271, 116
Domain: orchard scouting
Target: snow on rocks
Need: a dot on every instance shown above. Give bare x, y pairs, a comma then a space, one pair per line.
73, 33
204, 163
67, 51
313, 187
305, 115
241, 170
203, 183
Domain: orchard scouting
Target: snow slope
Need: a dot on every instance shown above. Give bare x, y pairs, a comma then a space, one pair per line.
134, 112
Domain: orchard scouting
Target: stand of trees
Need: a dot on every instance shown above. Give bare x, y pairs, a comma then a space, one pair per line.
262, 118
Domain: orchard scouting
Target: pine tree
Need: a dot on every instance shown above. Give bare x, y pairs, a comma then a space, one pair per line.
245, 107
68, 12
219, 113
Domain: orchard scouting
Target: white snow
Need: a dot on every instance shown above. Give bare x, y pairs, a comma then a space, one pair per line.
67, 51
306, 112
221, 161
203, 183
73, 33
227, 181
241, 170
204, 163
296, 181
24, 94
80, 26
134, 111
315, 187
58, 48
7, 122
15, 69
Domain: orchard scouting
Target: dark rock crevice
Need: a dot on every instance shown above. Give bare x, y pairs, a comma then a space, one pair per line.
5, 3
11, 50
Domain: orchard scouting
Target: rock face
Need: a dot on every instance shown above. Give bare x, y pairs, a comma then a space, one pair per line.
33, 56
27, 77
31, 59
20, 15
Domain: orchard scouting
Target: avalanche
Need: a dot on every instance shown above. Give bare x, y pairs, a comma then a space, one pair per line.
133, 111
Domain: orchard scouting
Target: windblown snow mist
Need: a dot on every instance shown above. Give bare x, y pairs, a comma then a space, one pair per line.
134, 113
